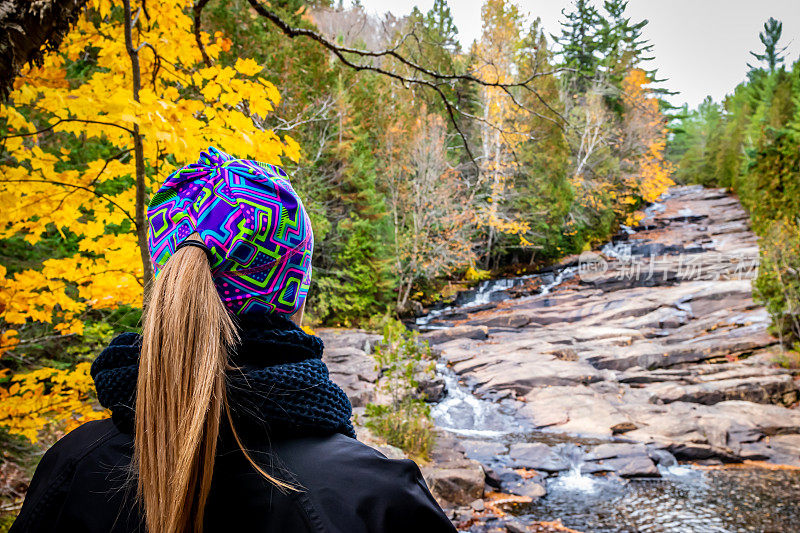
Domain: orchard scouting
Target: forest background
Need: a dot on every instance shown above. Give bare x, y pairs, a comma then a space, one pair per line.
424, 170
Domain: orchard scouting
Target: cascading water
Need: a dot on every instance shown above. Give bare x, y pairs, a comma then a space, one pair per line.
492, 291
563, 275
574, 479
668, 466
485, 292
462, 413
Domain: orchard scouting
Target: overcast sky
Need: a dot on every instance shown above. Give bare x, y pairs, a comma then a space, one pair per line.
701, 46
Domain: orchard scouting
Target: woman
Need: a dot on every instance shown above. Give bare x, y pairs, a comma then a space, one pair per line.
223, 415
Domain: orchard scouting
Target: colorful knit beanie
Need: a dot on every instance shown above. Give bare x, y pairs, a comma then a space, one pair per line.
250, 218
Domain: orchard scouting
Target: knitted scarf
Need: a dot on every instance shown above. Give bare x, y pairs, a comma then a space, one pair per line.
279, 385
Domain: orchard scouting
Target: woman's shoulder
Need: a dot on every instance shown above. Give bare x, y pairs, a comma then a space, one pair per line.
80, 443
86, 454
338, 472
338, 457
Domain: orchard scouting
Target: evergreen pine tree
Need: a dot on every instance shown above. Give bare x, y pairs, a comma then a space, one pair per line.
580, 43
543, 193
773, 55
434, 37
622, 44
442, 30
356, 281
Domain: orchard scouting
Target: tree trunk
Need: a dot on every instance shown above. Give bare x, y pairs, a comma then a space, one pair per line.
404, 294
28, 30
138, 151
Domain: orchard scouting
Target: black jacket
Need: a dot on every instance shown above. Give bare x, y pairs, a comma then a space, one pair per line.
82, 484
295, 423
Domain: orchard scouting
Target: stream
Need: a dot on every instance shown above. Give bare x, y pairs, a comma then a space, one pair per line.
686, 497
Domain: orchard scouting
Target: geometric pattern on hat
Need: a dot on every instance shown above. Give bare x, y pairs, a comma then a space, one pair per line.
249, 216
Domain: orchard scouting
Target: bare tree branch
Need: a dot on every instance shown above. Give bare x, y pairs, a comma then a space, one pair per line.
59, 121
421, 76
118, 155
81, 187
292, 32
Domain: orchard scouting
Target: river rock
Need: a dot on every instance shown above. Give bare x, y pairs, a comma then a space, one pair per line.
516, 372
538, 456
626, 460
358, 391
350, 365
515, 526
484, 451
431, 388
574, 409
533, 485
661, 457
503, 321
439, 336
785, 449
623, 427
530, 488
391, 452
351, 360
456, 484
356, 338
759, 389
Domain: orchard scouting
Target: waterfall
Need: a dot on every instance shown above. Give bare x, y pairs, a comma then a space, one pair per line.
462, 413
574, 479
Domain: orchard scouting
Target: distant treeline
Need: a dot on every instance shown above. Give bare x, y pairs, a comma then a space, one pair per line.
750, 143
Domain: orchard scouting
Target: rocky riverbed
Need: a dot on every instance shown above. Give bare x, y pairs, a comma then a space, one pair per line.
613, 366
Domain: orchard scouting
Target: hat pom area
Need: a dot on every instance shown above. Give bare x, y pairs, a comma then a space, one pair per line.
214, 157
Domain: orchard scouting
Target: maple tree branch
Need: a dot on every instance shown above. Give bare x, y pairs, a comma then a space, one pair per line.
81, 187
118, 155
59, 121
46, 338
157, 59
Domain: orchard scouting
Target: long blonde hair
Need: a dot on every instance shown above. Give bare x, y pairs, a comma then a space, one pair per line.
181, 394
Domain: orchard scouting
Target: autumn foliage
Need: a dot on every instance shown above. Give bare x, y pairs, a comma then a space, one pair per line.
48, 400
68, 174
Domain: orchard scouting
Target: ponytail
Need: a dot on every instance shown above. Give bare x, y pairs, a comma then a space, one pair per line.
180, 394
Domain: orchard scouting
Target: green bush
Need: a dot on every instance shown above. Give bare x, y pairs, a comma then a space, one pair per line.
778, 282
407, 426
405, 421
